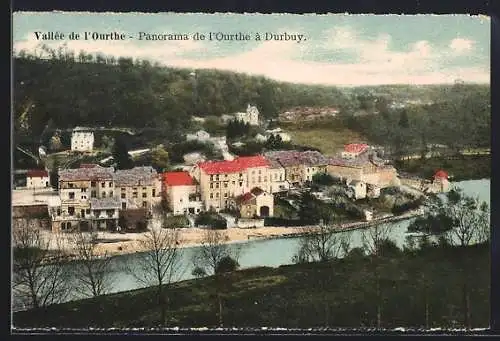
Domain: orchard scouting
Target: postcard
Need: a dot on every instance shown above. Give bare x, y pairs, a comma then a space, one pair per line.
262, 172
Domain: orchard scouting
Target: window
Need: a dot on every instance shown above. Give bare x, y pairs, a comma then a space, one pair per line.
92, 184
144, 189
217, 177
153, 192
234, 182
103, 195
58, 211
93, 194
225, 195
135, 188
225, 185
211, 185
211, 195
225, 175
253, 172
87, 210
71, 210
70, 185
260, 179
265, 179
134, 195
144, 195
241, 183
281, 177
241, 175
259, 171
110, 184
123, 189
110, 193
124, 205
84, 190
97, 213
144, 204
84, 197
216, 195
216, 185
72, 195
211, 178
103, 184
124, 195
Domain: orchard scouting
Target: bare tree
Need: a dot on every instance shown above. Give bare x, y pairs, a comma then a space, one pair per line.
469, 224
39, 277
373, 239
321, 244
160, 264
92, 272
209, 257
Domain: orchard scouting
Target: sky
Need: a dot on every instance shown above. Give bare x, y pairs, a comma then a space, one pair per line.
336, 49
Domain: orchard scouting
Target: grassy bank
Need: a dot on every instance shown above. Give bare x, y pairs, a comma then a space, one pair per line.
340, 293
467, 167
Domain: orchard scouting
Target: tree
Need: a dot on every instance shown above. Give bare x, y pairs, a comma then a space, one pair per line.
467, 222
218, 258
121, 155
312, 210
159, 265
373, 240
159, 158
39, 277
93, 272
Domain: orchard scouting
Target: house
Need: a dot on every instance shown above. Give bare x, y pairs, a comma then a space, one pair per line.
353, 150
200, 136
193, 158
182, 193
277, 177
255, 203
368, 215
222, 180
440, 181
300, 166
359, 189
72, 209
365, 166
42, 151
104, 213
37, 178
250, 116
140, 186
82, 139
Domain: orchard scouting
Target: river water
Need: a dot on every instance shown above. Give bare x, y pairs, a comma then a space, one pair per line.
271, 252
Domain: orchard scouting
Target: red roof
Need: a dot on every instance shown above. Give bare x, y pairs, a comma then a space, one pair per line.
441, 174
177, 179
245, 197
37, 173
234, 166
355, 147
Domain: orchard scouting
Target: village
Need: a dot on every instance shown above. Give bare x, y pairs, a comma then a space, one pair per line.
262, 191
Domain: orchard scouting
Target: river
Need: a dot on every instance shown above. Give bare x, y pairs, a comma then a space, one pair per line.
271, 252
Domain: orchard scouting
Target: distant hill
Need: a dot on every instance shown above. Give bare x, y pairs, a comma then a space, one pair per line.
65, 90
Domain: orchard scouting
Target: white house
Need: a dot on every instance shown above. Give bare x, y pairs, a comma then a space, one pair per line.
200, 136
257, 202
37, 178
82, 139
251, 116
359, 188
181, 193
285, 137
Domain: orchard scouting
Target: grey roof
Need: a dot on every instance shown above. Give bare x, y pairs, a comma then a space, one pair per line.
95, 174
138, 176
105, 203
293, 157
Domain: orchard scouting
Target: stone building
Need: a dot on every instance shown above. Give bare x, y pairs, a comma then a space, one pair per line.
255, 203
82, 139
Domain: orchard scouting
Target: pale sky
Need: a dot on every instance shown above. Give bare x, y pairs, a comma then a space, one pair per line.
339, 49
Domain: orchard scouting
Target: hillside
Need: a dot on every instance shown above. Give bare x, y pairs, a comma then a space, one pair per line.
416, 289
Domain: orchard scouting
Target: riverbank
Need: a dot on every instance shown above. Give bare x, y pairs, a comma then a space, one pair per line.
118, 244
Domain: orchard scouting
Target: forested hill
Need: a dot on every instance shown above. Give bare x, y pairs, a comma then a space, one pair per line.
65, 90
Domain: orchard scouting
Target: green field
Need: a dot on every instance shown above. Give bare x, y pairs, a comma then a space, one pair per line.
328, 135
415, 290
